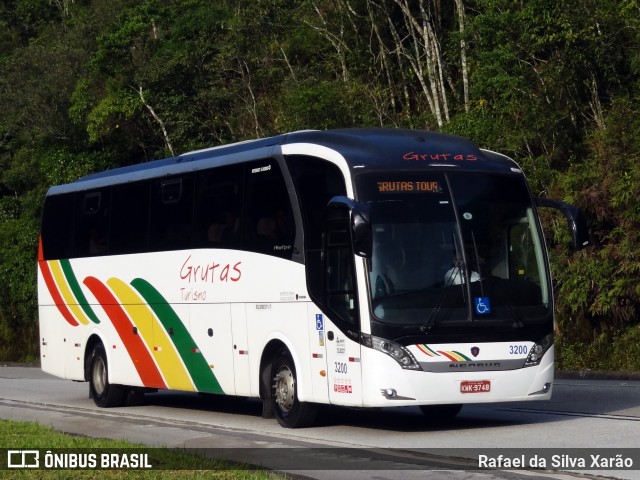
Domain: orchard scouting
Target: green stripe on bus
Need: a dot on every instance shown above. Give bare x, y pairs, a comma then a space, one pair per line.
463, 356
201, 374
77, 291
435, 354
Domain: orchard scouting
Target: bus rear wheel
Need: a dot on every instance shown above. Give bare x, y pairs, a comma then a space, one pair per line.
290, 412
104, 394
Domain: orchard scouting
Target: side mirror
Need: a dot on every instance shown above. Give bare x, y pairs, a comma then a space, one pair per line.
575, 221
360, 224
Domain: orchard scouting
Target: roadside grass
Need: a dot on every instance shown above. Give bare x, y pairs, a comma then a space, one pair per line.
168, 464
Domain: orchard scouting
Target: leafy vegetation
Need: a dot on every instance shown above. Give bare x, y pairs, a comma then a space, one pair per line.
91, 84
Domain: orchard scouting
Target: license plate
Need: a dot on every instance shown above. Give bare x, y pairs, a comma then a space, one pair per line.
479, 386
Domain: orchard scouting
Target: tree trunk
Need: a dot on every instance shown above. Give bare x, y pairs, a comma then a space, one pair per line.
155, 116
463, 54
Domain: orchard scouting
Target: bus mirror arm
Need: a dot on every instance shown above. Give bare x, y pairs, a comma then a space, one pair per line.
575, 220
360, 222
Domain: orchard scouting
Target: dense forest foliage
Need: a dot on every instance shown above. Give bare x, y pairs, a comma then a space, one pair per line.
87, 85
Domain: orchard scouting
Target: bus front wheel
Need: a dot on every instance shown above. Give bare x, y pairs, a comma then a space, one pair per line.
104, 394
290, 412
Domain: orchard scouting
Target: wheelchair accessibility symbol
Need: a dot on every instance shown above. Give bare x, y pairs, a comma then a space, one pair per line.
483, 305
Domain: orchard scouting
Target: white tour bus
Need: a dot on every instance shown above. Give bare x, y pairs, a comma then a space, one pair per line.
357, 267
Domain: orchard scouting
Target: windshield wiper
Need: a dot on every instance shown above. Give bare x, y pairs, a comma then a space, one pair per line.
435, 311
431, 321
477, 255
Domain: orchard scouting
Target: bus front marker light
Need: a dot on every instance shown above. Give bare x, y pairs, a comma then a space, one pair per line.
535, 353
546, 388
396, 351
538, 351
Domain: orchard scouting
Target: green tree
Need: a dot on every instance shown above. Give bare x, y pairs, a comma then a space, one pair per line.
86, 86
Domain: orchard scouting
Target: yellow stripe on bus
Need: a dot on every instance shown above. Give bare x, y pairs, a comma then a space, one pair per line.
67, 295
154, 336
457, 356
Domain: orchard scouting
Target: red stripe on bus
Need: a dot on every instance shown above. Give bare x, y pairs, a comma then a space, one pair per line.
450, 357
142, 360
55, 293
53, 289
40, 250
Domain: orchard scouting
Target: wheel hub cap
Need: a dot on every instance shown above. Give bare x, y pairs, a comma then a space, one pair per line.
99, 376
284, 388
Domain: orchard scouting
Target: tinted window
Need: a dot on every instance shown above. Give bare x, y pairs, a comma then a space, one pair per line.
429, 241
219, 207
317, 181
268, 224
171, 213
92, 223
129, 218
57, 221
340, 276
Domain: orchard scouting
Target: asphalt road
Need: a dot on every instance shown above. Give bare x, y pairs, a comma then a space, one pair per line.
585, 417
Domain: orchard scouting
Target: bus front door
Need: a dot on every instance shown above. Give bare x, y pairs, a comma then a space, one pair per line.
341, 324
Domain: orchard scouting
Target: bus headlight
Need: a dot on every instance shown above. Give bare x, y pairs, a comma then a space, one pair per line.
396, 351
538, 350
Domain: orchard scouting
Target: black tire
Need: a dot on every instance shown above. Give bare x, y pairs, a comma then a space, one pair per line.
290, 412
440, 413
104, 394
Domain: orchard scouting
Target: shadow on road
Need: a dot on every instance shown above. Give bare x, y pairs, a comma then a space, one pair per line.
398, 419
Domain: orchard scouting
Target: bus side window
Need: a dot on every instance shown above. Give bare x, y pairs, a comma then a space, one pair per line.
317, 181
92, 223
130, 218
57, 226
170, 226
218, 207
268, 222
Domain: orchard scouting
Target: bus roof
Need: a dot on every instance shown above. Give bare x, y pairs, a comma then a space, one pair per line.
365, 149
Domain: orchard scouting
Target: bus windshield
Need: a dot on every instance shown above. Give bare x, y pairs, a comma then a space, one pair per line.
454, 247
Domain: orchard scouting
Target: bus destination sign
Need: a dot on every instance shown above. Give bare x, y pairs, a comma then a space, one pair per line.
409, 186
